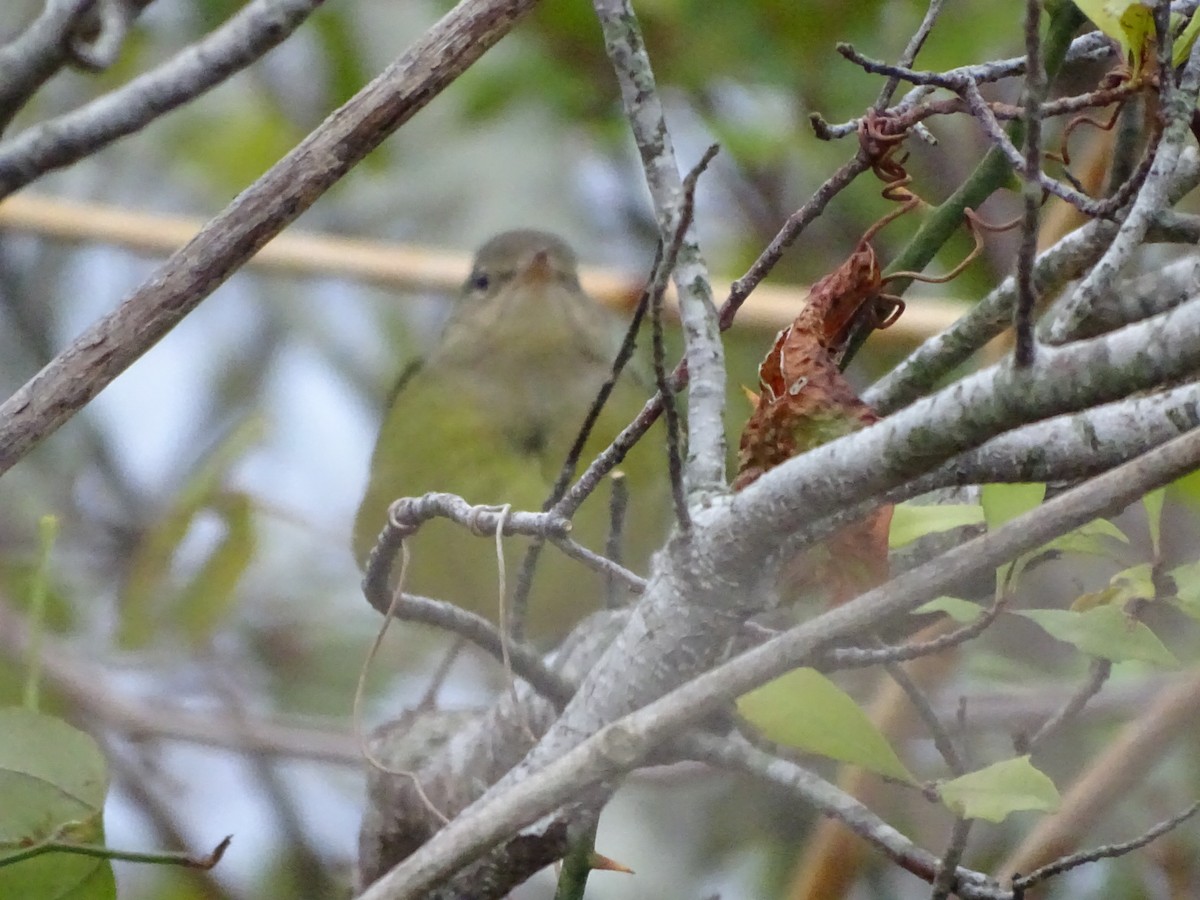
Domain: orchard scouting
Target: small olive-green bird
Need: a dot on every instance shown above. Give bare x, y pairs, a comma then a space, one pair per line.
491, 414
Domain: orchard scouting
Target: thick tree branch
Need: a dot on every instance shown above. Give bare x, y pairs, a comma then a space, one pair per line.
704, 587
863, 465
1070, 258
620, 746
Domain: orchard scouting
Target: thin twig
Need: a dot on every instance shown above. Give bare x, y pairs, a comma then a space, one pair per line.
1107, 851
524, 583
1092, 46
56, 844
526, 662
861, 657
602, 564
947, 869
789, 232
941, 738
670, 254
438, 677
968, 88
909, 56
1097, 676
662, 382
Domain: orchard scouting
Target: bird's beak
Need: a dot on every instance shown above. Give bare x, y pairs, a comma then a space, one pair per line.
539, 269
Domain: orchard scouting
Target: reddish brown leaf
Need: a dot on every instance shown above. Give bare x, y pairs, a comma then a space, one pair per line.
805, 401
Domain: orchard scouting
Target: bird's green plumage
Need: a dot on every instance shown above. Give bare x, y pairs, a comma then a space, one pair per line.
492, 413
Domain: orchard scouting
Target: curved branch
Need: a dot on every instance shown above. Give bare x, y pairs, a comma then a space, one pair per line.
27, 62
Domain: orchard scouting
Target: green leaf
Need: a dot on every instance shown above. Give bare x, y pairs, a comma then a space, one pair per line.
911, 521
999, 790
1187, 490
1153, 502
1095, 538
1004, 502
963, 611
805, 710
1136, 582
50, 774
1098, 537
1106, 632
1182, 48
53, 779
1129, 22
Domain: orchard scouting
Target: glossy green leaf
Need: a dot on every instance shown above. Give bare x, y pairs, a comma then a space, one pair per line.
805, 710
53, 779
963, 611
911, 521
1004, 502
994, 793
1106, 632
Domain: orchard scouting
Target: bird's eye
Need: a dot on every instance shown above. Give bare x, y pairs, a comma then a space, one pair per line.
480, 281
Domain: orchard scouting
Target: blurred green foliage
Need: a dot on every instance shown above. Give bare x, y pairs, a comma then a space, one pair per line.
197, 563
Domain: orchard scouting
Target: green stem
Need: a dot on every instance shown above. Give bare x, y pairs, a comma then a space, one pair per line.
38, 589
577, 864
993, 170
99, 851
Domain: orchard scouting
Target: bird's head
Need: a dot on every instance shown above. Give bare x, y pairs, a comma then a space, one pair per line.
522, 259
